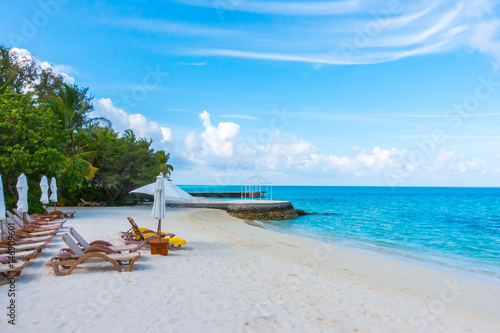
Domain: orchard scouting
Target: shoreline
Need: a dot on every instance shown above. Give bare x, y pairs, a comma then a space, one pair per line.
412, 259
233, 276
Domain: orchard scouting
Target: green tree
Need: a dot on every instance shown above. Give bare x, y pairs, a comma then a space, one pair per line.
23, 76
32, 142
125, 163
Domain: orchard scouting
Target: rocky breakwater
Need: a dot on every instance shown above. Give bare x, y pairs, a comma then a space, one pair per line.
275, 210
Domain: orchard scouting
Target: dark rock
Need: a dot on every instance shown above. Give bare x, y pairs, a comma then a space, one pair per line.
300, 212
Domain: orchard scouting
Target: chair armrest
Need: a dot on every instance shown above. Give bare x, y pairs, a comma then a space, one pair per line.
100, 242
100, 248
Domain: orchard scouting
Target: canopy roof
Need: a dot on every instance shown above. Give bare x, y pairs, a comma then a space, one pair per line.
171, 191
257, 180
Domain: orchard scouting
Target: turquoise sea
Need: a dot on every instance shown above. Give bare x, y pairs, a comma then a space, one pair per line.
452, 228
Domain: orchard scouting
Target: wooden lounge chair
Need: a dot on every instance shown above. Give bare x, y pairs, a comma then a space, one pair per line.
22, 255
24, 231
34, 217
23, 236
23, 247
59, 214
89, 203
40, 221
106, 246
10, 270
33, 225
72, 261
139, 234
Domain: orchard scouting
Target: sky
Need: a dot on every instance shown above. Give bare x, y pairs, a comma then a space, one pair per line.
349, 92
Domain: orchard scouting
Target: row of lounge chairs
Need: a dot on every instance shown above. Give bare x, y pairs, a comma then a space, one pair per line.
25, 240
33, 236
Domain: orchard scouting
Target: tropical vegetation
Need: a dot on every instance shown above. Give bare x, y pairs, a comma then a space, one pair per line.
46, 129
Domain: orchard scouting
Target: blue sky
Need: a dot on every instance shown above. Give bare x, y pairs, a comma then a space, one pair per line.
389, 93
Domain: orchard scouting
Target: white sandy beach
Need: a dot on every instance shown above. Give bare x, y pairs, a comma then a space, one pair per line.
234, 277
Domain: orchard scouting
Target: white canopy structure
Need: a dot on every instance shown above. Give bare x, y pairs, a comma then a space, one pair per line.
255, 184
172, 191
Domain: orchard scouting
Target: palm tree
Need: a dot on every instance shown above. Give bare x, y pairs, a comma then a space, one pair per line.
72, 106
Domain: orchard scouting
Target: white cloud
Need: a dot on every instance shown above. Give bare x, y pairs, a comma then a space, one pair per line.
214, 144
351, 32
135, 121
240, 116
295, 8
24, 57
485, 39
221, 147
454, 162
167, 134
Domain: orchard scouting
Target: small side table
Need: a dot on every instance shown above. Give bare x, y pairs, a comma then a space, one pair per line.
159, 246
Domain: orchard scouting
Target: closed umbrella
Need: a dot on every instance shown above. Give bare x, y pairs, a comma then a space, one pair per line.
53, 192
22, 191
158, 211
44, 186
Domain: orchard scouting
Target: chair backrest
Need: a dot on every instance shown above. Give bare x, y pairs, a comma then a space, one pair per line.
72, 245
79, 238
136, 228
11, 221
17, 221
4, 229
18, 213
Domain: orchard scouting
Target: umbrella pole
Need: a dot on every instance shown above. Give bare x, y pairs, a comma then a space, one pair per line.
24, 219
159, 229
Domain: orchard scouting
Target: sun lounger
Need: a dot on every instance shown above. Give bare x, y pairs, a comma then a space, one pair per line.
59, 214
108, 247
137, 234
89, 203
24, 231
22, 255
48, 221
22, 237
117, 260
10, 270
33, 225
23, 247
33, 217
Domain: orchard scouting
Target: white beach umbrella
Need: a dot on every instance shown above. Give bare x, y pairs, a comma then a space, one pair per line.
172, 191
53, 191
22, 191
2, 201
44, 186
158, 211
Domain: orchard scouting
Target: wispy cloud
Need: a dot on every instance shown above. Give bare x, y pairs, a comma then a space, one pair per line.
295, 8
239, 116
438, 115
265, 56
177, 110
166, 26
355, 32
204, 63
333, 32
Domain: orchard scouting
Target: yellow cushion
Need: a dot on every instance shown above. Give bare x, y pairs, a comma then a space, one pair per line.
177, 241
173, 241
144, 229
